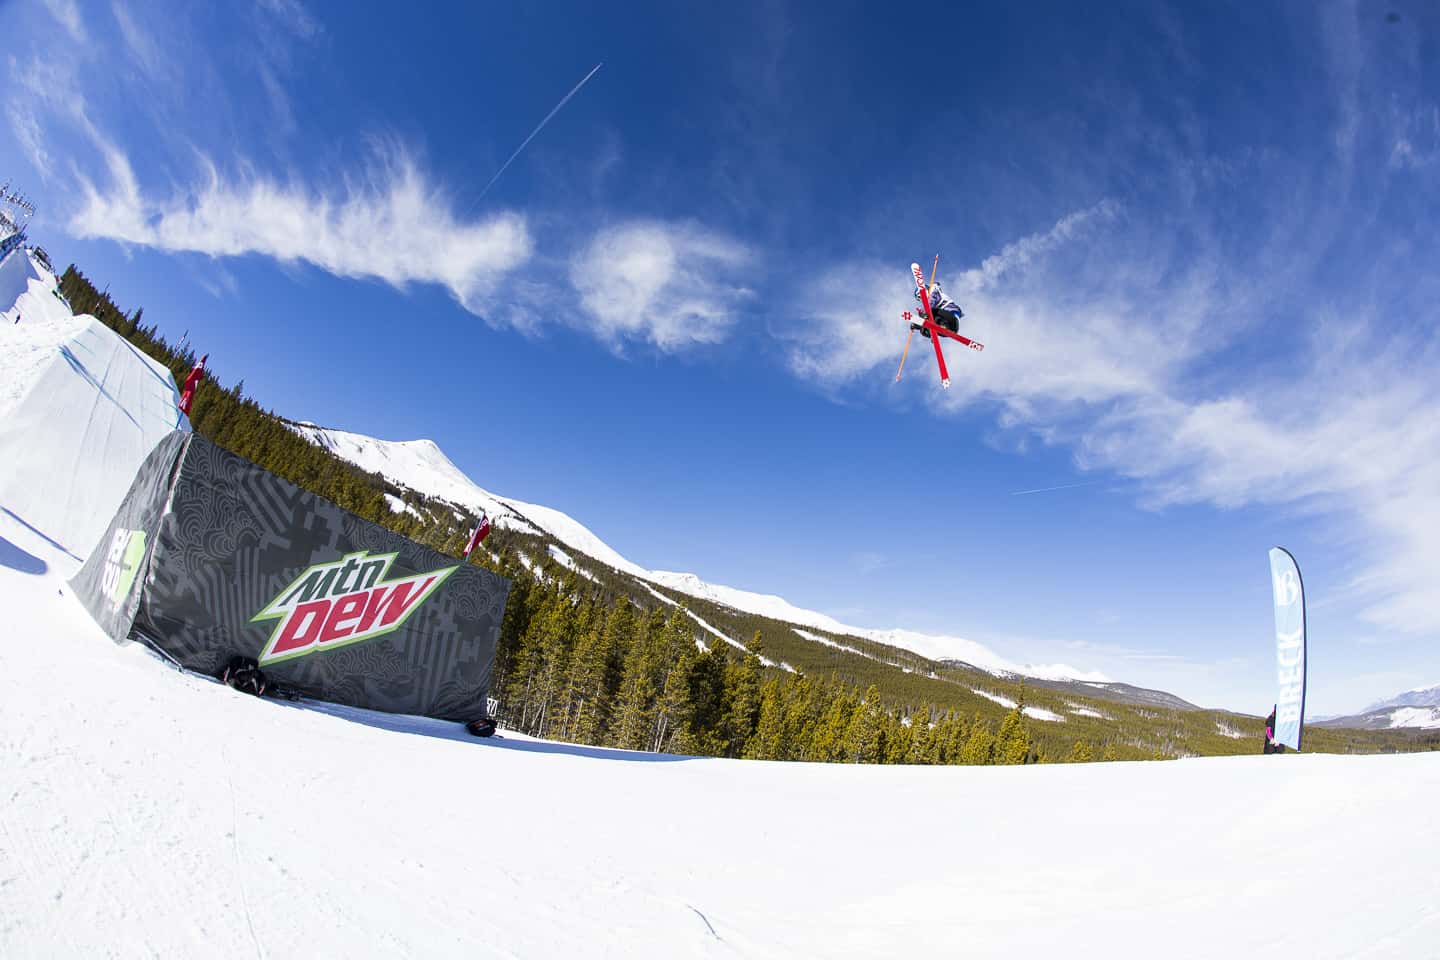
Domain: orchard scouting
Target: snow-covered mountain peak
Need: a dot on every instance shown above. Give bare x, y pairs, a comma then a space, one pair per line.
423, 467
1418, 697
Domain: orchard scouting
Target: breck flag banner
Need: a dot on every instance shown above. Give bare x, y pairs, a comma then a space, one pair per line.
211, 557
1289, 594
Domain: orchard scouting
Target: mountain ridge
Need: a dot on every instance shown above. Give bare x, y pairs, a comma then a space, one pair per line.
421, 465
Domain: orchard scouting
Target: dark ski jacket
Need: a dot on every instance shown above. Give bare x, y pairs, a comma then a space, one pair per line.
938, 301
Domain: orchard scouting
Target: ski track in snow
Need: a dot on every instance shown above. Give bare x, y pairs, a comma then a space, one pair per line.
710, 629
568, 562
1034, 713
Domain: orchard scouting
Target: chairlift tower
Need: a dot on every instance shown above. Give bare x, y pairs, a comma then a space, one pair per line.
15, 213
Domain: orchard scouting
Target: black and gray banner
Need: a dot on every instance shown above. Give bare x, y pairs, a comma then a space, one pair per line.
206, 540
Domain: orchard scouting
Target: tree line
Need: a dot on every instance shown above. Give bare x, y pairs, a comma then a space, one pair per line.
575, 664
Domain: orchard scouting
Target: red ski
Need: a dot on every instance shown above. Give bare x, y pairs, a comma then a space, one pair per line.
932, 328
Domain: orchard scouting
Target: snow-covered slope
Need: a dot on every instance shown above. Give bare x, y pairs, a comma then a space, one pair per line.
28, 292
1418, 697
1390, 718
1422, 718
150, 813
423, 467
80, 408
1417, 709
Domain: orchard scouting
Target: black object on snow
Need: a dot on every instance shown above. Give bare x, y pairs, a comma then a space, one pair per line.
483, 727
245, 675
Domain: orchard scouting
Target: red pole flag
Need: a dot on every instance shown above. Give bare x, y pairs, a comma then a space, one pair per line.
187, 394
482, 530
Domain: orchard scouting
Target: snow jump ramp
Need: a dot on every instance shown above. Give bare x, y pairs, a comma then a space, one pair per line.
211, 556
80, 408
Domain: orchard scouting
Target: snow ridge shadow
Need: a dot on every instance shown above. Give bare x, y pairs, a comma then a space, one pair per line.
451, 730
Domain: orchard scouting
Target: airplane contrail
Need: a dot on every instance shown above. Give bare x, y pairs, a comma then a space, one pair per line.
541, 126
1063, 486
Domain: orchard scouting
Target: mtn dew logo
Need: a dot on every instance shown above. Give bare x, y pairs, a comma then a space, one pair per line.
345, 601
122, 563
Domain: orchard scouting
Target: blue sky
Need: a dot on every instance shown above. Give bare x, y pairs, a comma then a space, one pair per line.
1199, 243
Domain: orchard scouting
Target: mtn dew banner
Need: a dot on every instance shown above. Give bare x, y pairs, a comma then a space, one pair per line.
212, 557
1289, 595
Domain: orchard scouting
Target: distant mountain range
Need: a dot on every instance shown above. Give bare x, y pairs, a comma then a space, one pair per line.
1416, 709
421, 466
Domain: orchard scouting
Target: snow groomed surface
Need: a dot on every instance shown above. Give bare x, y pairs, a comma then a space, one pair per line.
153, 813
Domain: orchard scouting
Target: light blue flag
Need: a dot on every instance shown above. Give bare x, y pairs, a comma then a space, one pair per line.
1289, 646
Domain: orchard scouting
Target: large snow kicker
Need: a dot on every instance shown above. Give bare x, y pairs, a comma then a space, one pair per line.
80, 408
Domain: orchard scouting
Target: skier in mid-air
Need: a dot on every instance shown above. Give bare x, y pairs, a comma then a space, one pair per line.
940, 319
947, 312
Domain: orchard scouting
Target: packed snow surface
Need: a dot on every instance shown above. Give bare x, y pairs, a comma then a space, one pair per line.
568, 562
29, 292
1005, 702
151, 813
1425, 718
1228, 731
1034, 713
422, 466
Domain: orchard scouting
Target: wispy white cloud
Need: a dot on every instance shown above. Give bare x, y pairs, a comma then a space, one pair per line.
142, 46
294, 16
67, 12
1417, 139
1016, 256
668, 284
671, 285
384, 218
219, 282
26, 127
387, 221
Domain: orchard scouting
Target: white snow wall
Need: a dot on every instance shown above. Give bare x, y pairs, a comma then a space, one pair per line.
81, 426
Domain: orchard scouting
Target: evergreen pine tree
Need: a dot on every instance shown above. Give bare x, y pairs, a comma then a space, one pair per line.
1012, 743
640, 687
900, 738
862, 739
768, 740
979, 745
742, 696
